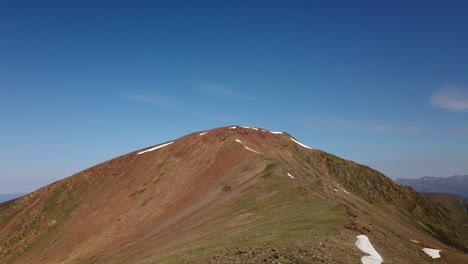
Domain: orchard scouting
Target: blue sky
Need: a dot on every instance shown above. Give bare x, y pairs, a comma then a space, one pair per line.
383, 83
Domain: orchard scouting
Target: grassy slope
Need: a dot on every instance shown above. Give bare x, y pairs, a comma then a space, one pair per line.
275, 209
254, 205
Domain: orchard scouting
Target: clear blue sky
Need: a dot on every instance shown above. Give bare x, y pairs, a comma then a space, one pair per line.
383, 83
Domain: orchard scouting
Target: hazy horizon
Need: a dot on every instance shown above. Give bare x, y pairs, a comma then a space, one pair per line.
382, 84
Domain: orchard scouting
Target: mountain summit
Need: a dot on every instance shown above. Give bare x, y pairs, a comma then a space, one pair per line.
229, 195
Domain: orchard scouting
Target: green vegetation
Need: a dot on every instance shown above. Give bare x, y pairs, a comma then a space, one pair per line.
275, 209
226, 188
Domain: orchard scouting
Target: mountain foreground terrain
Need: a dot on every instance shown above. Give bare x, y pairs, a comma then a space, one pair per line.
457, 185
229, 195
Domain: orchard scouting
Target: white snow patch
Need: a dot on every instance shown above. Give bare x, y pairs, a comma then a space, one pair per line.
245, 126
335, 189
290, 176
345, 191
201, 134
301, 143
434, 253
254, 128
365, 246
251, 149
233, 127
155, 148
414, 241
238, 140
277, 132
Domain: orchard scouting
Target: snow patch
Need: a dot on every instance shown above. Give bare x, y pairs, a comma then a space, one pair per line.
434, 253
201, 134
365, 246
155, 148
277, 132
251, 149
345, 191
414, 241
238, 141
290, 176
335, 189
301, 143
233, 127
254, 128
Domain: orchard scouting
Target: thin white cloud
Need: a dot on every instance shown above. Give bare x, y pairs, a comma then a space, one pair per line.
384, 127
395, 128
160, 101
452, 98
217, 90
374, 126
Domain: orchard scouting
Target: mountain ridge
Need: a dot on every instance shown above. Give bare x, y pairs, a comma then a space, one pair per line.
212, 191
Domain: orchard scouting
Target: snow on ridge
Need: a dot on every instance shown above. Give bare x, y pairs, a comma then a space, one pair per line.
155, 148
277, 132
233, 127
433, 253
414, 241
301, 143
201, 134
364, 244
290, 176
238, 140
254, 128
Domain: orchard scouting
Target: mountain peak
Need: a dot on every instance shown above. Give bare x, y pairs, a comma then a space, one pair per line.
198, 197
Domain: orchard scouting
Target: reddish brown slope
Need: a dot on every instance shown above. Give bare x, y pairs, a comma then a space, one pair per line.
205, 192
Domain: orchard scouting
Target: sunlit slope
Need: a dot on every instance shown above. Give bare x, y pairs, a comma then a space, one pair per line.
224, 194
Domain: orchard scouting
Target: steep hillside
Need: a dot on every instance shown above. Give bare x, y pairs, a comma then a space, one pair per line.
450, 201
227, 195
457, 185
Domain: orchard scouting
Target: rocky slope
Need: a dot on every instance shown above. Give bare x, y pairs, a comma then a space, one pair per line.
227, 195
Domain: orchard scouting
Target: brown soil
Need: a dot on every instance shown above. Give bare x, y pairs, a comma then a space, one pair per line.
209, 199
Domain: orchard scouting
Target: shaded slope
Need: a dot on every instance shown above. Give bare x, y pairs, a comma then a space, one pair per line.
206, 194
450, 201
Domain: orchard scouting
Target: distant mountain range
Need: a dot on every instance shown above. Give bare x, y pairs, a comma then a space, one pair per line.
9, 196
457, 185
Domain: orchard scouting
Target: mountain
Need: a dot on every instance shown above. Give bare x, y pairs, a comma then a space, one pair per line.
450, 201
9, 196
229, 195
457, 185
